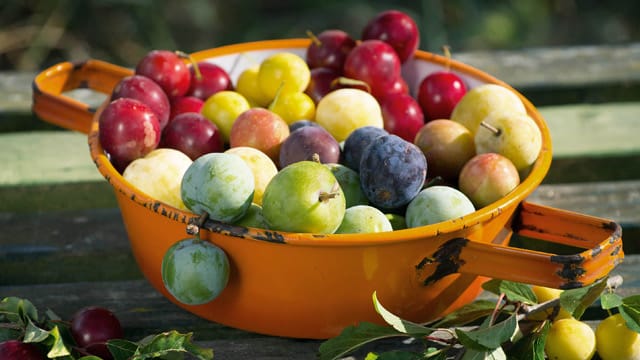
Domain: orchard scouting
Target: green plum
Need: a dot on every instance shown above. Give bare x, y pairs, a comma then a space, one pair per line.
195, 271
364, 219
220, 184
349, 181
253, 218
304, 196
436, 204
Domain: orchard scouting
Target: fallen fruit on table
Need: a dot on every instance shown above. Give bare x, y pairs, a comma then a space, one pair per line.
92, 327
544, 294
93, 332
304, 197
195, 271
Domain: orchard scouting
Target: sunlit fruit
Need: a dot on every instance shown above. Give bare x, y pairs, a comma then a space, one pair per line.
159, 174
570, 339
447, 145
259, 128
222, 108
195, 271
487, 178
439, 93
247, 86
349, 181
615, 341
219, 184
129, 130
147, 91
482, 100
374, 62
261, 165
293, 106
193, 134
544, 294
435, 204
396, 28
513, 135
285, 72
208, 79
402, 115
362, 219
329, 49
167, 69
304, 197
392, 171
309, 143
344, 110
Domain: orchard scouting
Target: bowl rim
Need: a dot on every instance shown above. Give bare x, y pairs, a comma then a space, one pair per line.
536, 174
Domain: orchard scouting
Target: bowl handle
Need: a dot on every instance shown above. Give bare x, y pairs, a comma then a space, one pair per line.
52, 105
601, 239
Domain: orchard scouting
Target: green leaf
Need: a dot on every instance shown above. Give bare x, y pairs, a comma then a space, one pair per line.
630, 311
58, 349
90, 357
405, 326
121, 349
530, 347
518, 292
34, 334
353, 337
171, 342
576, 301
467, 314
610, 300
489, 338
17, 310
9, 334
496, 354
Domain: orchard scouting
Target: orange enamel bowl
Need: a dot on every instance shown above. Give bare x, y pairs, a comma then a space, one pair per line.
313, 286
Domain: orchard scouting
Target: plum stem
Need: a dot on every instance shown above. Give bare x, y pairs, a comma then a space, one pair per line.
447, 53
493, 129
334, 192
314, 38
196, 68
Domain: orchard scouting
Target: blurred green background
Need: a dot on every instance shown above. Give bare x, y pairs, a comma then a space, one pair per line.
39, 33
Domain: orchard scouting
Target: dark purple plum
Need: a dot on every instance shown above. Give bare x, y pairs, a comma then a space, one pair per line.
193, 134
18, 350
356, 142
392, 171
300, 123
306, 141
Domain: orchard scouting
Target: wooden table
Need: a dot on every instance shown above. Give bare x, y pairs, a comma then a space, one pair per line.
63, 244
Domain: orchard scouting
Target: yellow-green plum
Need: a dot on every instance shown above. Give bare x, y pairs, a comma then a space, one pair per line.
222, 108
304, 196
283, 72
487, 178
514, 135
435, 204
253, 218
344, 110
219, 184
159, 174
482, 100
361, 219
261, 165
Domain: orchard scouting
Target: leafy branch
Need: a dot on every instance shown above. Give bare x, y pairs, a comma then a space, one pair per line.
508, 327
